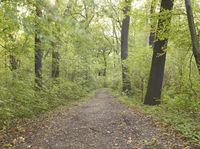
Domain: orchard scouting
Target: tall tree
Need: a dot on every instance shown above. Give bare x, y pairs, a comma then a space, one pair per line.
126, 84
38, 50
154, 88
194, 37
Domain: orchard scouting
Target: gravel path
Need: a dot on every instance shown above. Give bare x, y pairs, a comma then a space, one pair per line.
100, 123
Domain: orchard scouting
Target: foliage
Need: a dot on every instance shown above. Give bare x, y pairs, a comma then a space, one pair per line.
180, 94
59, 30
86, 34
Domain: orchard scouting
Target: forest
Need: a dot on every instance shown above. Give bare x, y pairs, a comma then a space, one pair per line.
146, 53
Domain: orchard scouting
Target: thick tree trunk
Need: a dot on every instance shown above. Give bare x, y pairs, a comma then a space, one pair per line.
126, 84
55, 64
124, 32
154, 88
38, 53
194, 38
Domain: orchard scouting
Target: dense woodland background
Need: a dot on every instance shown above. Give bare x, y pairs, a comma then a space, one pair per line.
55, 52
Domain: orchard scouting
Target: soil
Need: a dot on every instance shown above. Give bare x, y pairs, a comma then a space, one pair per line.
100, 123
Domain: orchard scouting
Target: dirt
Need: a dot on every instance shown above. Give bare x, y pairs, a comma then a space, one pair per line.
99, 123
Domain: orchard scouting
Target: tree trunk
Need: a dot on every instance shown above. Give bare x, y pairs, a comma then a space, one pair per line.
105, 67
126, 84
154, 88
194, 38
105, 63
55, 64
38, 53
13, 62
125, 31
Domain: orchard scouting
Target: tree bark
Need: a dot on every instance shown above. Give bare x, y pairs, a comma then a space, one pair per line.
55, 64
193, 33
126, 84
38, 52
125, 31
154, 88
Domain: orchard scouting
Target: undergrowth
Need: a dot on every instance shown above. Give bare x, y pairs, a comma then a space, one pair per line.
20, 100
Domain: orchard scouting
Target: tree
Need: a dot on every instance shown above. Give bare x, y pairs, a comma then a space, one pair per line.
38, 50
55, 63
126, 84
154, 88
194, 37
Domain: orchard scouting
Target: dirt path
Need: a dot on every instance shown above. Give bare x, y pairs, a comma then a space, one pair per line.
100, 123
